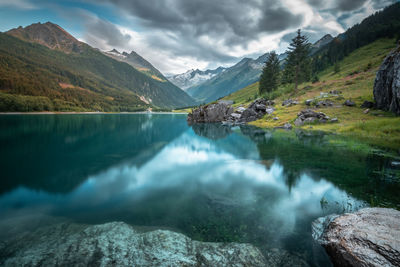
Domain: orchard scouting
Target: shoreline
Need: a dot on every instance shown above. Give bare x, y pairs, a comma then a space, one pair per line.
83, 112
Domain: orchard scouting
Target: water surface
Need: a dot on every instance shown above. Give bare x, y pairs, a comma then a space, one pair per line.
208, 181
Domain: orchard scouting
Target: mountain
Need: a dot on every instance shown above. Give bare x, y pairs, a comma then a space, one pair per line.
321, 43
42, 67
50, 35
193, 78
138, 62
244, 73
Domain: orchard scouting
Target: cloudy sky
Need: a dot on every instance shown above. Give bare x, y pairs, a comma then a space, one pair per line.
177, 35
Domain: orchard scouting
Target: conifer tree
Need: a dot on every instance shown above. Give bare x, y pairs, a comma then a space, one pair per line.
298, 63
269, 80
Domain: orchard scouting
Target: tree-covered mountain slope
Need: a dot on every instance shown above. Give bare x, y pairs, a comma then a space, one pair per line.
48, 69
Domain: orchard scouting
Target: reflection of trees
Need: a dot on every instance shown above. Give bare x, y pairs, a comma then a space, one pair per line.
212, 131
310, 152
56, 153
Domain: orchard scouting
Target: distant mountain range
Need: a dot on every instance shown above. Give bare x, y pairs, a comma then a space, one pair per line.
43, 67
193, 78
229, 80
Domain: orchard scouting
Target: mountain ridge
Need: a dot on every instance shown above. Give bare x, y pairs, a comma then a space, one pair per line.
79, 76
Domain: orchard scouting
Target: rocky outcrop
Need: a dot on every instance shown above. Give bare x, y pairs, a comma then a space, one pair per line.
310, 116
118, 244
369, 237
210, 113
289, 102
387, 83
222, 112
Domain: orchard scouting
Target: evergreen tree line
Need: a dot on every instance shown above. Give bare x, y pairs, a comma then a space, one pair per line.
300, 66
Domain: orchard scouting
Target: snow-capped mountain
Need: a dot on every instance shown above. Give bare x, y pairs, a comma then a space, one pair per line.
194, 77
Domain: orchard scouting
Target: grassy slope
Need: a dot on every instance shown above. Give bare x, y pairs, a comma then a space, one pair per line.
376, 127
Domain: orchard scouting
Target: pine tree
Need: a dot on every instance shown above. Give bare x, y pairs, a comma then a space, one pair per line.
269, 80
298, 62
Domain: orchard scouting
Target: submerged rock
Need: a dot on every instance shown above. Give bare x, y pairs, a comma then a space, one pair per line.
387, 83
369, 237
118, 244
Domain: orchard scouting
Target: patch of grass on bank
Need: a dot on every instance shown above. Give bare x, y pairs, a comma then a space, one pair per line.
355, 80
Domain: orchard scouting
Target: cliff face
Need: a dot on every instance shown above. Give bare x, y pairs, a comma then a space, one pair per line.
387, 83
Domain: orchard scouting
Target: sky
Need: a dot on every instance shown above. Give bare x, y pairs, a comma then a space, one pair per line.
178, 35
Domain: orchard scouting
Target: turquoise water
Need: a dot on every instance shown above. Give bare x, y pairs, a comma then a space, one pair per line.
211, 182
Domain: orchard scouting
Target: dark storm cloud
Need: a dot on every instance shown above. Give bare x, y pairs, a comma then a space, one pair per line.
106, 31
231, 22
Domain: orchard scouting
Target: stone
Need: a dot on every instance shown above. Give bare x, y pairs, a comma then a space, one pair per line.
236, 116
334, 120
324, 103
366, 111
286, 126
369, 237
309, 101
387, 83
118, 244
289, 102
210, 113
275, 118
269, 111
349, 103
240, 110
367, 104
226, 102
309, 116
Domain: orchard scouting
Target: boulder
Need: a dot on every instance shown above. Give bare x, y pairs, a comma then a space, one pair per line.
210, 113
369, 237
310, 116
324, 103
118, 244
387, 83
309, 101
367, 104
286, 126
289, 102
349, 103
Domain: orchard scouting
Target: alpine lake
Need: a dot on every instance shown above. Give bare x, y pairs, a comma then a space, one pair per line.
211, 182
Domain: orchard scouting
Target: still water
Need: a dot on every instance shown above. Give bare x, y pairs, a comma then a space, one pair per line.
210, 182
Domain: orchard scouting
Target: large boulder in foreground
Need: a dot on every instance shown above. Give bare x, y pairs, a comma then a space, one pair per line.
369, 237
118, 244
387, 83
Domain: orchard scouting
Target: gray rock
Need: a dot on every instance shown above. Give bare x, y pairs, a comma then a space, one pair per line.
269, 111
387, 83
118, 244
334, 120
236, 116
324, 103
369, 237
349, 103
308, 102
275, 118
210, 113
309, 116
289, 102
286, 126
261, 107
367, 104
226, 102
240, 110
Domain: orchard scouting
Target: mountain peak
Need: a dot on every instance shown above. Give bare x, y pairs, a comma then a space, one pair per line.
48, 34
114, 51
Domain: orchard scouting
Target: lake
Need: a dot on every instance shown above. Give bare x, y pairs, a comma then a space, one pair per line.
209, 181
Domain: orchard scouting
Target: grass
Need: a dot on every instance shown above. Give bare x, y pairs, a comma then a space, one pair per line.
355, 80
